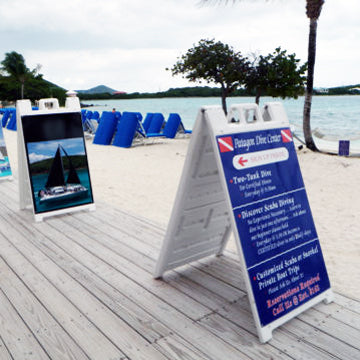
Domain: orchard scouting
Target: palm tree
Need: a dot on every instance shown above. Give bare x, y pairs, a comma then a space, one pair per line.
14, 65
313, 10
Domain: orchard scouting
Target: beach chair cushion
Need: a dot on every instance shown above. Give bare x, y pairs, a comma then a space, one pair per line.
126, 129
11, 125
172, 125
106, 128
5, 117
156, 124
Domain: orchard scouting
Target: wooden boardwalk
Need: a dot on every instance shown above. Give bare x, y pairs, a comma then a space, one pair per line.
80, 286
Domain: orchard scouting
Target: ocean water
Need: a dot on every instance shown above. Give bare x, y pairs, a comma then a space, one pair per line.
39, 181
333, 116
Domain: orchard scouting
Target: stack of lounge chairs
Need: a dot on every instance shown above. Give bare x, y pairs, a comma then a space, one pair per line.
129, 127
118, 129
8, 119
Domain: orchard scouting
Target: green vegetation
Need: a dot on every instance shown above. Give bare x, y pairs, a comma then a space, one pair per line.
340, 90
207, 91
276, 74
17, 81
214, 62
195, 91
43, 166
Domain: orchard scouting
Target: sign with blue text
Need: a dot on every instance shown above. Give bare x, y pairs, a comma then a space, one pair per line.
273, 218
242, 175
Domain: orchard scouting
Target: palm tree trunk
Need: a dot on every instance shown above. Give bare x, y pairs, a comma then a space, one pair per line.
310, 144
257, 96
22, 90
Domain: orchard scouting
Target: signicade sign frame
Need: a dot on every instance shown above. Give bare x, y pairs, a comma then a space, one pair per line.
205, 212
50, 126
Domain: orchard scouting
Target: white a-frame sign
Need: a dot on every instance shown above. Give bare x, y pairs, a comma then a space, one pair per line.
54, 175
242, 175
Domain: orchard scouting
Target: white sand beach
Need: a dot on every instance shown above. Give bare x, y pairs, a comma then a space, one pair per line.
144, 180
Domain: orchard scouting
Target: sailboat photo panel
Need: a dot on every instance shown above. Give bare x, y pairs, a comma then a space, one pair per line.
57, 161
5, 169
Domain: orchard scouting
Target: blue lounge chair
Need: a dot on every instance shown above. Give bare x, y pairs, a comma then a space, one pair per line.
106, 128
172, 125
11, 125
96, 116
147, 121
5, 118
156, 123
183, 130
89, 115
126, 129
170, 129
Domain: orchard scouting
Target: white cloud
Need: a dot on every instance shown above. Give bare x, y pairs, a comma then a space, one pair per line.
33, 157
127, 44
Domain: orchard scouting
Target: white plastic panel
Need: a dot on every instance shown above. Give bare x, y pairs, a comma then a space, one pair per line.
200, 221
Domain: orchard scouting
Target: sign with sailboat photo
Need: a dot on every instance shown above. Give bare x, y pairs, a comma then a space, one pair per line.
5, 169
56, 159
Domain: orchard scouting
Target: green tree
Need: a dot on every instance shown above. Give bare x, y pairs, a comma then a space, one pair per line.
213, 62
14, 76
313, 11
277, 74
14, 66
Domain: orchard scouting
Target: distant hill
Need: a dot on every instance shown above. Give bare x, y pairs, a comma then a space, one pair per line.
339, 90
100, 89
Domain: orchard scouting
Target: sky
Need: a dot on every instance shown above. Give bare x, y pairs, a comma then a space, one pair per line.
128, 44
46, 149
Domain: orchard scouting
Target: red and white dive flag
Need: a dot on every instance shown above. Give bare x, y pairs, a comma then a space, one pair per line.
226, 144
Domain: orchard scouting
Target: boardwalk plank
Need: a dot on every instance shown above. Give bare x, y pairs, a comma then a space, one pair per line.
340, 313
52, 337
350, 304
19, 340
241, 339
333, 327
175, 347
113, 253
118, 243
132, 314
117, 331
164, 311
4, 353
314, 343
324, 342
76, 324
